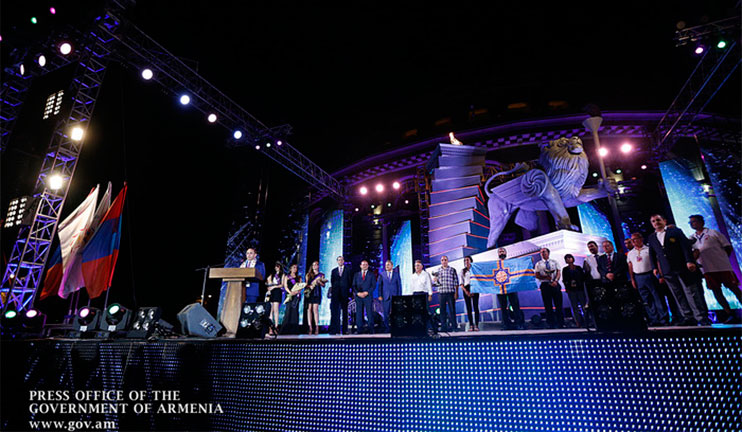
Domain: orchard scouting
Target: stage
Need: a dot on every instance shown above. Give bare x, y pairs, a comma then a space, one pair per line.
669, 379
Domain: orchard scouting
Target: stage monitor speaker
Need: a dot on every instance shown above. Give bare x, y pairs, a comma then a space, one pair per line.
616, 308
254, 320
196, 321
409, 316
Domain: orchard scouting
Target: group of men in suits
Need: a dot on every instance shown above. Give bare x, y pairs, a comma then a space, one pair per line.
667, 258
361, 286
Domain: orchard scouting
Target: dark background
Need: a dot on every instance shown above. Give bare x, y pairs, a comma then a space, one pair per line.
350, 80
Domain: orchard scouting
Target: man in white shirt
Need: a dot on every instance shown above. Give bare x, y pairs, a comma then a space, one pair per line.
420, 283
590, 266
547, 271
712, 250
644, 280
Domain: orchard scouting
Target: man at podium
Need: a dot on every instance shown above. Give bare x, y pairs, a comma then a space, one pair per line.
252, 288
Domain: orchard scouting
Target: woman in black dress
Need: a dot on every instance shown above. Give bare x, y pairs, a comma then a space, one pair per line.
274, 285
290, 323
313, 296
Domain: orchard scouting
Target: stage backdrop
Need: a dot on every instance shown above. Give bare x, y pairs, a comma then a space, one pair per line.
687, 197
330, 247
594, 222
401, 252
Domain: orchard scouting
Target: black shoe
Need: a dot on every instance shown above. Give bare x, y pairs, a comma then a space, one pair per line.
705, 322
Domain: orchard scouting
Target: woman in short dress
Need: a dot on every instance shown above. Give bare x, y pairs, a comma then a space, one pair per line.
290, 323
314, 296
274, 284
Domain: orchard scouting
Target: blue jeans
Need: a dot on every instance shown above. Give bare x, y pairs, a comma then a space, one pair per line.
647, 285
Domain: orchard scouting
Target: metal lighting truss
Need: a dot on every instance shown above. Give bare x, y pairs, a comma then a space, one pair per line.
712, 71
137, 50
23, 274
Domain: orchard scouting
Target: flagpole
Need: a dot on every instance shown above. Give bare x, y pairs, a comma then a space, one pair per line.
105, 303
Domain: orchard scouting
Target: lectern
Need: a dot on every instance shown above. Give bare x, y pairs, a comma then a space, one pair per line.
235, 295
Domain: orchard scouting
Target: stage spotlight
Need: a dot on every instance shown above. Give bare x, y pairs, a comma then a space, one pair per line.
22, 69
185, 100
699, 50
41, 60
364, 191
9, 324
55, 182
644, 167
146, 321
116, 319
257, 147
379, 187
211, 118
603, 152
396, 185
77, 133
373, 206
619, 171
147, 74
237, 134
595, 174
279, 142
388, 204
52, 11
65, 48
254, 321
86, 321
34, 20
267, 145
722, 44
626, 148
10, 314
356, 208
33, 322
406, 201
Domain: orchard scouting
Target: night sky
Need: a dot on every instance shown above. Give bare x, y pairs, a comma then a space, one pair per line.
349, 80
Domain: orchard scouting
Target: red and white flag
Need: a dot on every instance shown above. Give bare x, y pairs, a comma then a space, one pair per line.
71, 240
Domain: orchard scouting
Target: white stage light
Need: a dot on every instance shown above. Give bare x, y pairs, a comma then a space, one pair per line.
237, 134
364, 190
379, 187
147, 74
55, 182
211, 118
65, 48
396, 185
603, 152
185, 100
41, 60
626, 148
77, 133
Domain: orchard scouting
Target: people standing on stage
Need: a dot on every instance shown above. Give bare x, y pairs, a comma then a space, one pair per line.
364, 283
341, 280
612, 267
516, 319
712, 250
590, 267
547, 271
274, 285
644, 281
573, 278
421, 282
448, 292
313, 296
389, 284
673, 262
252, 289
470, 299
290, 323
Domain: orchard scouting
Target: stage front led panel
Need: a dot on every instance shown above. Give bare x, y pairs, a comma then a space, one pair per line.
669, 381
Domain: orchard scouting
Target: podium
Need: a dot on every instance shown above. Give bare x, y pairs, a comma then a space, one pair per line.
235, 295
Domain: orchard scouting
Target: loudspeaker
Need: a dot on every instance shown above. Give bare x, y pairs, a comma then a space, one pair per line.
409, 316
196, 321
254, 320
616, 307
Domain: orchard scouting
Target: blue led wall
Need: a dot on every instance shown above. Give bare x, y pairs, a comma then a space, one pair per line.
723, 164
401, 252
330, 247
687, 197
667, 381
594, 222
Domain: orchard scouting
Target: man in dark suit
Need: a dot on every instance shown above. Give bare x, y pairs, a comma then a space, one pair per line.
252, 289
341, 280
612, 266
389, 284
364, 283
672, 261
